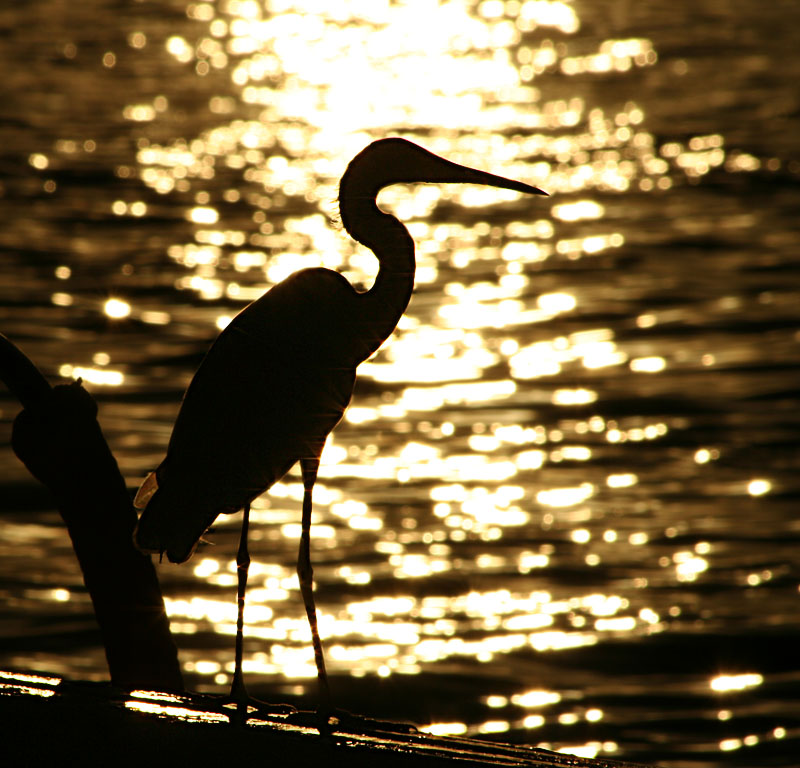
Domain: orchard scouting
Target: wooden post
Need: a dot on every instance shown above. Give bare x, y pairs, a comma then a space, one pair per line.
59, 440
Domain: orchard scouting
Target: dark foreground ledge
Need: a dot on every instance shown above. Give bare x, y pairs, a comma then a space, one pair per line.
47, 721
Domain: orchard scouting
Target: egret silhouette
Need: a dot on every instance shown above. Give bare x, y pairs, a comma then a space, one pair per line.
278, 379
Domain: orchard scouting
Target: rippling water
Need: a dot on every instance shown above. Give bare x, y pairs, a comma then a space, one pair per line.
561, 508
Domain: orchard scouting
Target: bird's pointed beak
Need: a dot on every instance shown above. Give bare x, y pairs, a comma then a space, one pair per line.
398, 161
447, 172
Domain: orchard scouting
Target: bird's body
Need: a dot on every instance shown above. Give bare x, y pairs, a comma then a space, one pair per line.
289, 359
279, 377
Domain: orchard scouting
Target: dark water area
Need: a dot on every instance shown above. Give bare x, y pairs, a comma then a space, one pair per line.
562, 508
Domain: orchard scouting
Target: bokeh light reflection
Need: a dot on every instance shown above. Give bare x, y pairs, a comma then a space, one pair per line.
531, 463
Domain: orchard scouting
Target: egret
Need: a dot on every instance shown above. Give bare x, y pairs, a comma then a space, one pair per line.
278, 378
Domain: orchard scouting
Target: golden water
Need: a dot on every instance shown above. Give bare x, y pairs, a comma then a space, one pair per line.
561, 506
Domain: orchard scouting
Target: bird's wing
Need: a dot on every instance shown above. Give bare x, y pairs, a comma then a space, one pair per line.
270, 389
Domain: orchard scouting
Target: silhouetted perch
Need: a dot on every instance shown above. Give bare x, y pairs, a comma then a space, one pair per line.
59, 440
83, 722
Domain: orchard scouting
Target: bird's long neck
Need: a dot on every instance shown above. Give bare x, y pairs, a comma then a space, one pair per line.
383, 305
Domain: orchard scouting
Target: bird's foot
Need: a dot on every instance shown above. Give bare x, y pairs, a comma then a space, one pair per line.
242, 701
241, 710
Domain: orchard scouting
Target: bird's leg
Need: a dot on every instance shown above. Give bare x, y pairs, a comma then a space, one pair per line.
305, 575
238, 690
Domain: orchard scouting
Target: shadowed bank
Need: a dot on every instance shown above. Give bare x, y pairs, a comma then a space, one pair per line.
92, 726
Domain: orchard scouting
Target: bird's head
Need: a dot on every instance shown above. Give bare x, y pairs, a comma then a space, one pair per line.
398, 161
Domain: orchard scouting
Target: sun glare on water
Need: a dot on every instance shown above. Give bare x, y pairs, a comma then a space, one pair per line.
476, 458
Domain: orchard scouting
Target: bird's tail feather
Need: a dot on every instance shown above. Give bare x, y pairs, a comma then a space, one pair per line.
145, 493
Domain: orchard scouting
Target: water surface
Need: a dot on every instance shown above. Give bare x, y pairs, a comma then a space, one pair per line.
561, 508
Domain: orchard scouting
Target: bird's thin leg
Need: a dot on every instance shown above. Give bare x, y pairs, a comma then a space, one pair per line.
305, 574
238, 690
